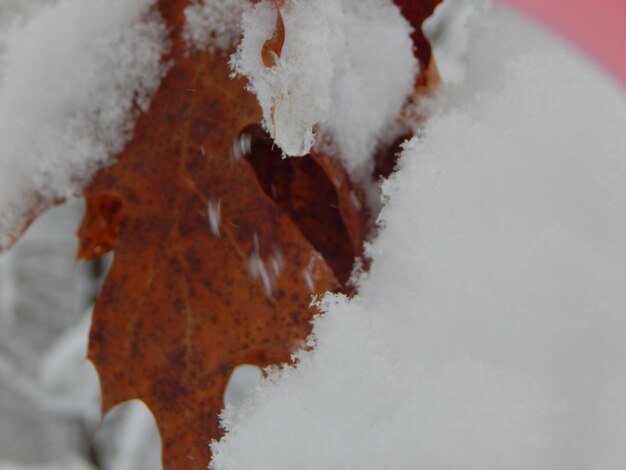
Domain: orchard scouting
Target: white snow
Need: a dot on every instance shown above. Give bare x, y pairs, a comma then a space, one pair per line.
490, 332
449, 38
346, 69
73, 77
241, 384
70, 465
211, 24
129, 439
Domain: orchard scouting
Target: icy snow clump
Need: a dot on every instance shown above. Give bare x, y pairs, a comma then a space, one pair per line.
346, 68
490, 332
71, 79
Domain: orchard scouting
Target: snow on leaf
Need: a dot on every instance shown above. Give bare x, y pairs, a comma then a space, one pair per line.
325, 72
73, 78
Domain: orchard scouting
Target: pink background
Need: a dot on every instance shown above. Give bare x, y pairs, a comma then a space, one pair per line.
596, 26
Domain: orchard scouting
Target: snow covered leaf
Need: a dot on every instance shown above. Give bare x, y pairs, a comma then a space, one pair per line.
74, 75
332, 83
220, 242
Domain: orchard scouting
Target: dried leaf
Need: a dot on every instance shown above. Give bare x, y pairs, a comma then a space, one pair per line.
335, 220
219, 242
100, 227
184, 303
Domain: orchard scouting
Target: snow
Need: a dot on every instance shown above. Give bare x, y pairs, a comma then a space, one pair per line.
42, 416
211, 24
346, 69
448, 36
74, 75
75, 465
128, 439
490, 331
241, 384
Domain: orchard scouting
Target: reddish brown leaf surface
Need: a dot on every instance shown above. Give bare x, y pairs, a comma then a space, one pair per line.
317, 195
98, 232
186, 302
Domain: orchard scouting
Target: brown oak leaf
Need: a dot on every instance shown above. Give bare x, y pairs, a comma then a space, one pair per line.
209, 272
219, 242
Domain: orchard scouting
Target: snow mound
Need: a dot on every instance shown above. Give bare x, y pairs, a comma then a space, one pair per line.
347, 67
72, 80
490, 332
